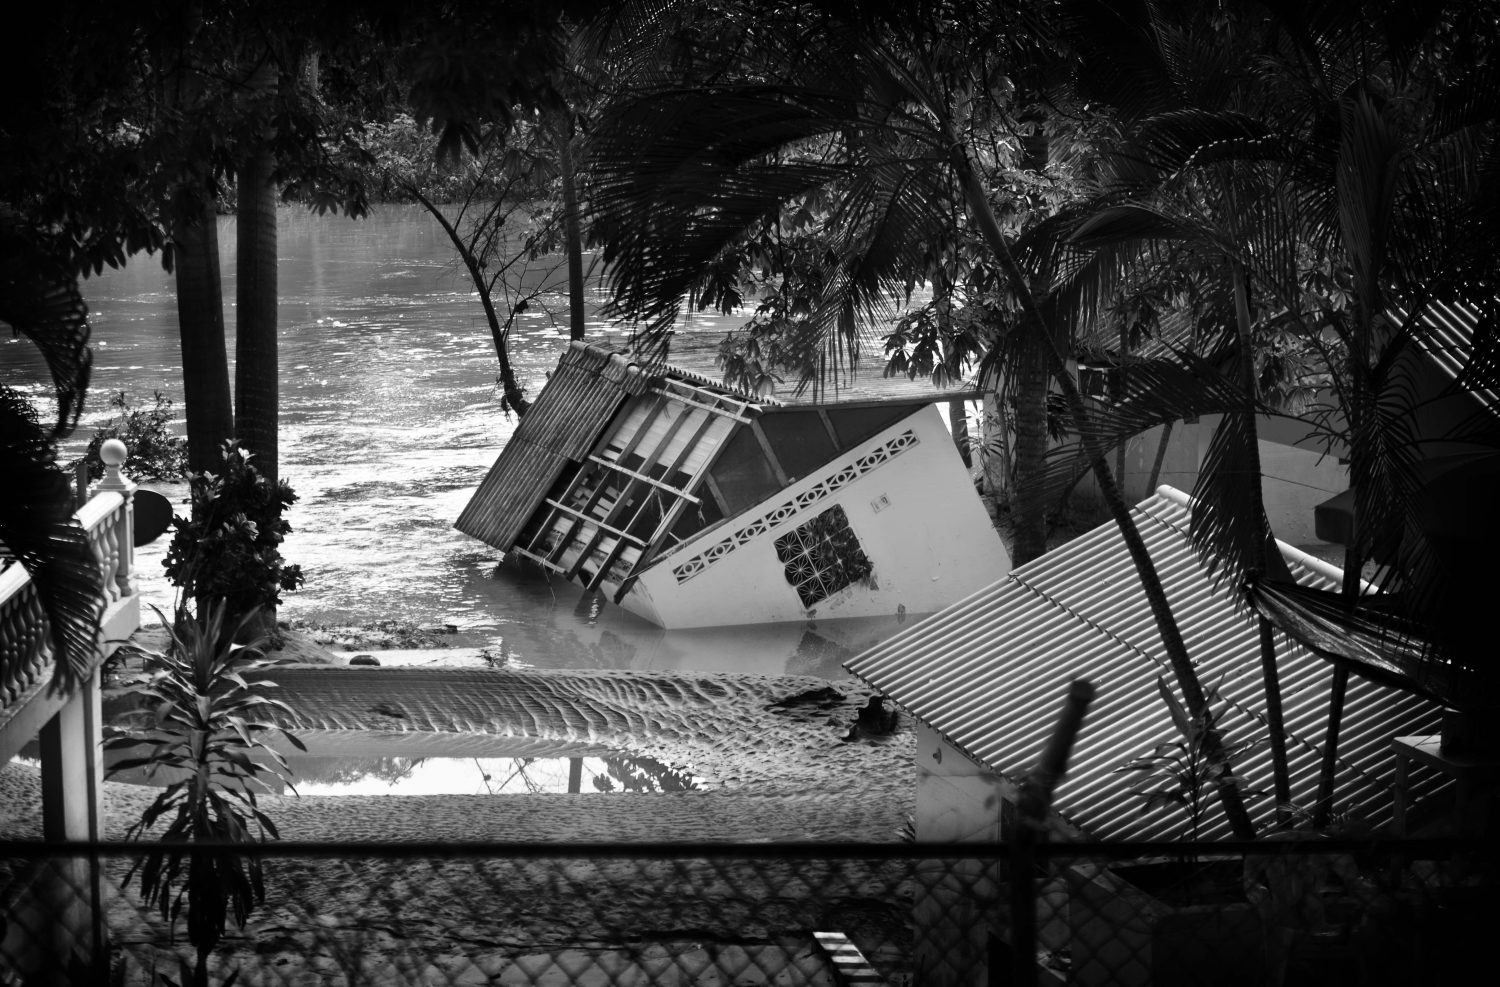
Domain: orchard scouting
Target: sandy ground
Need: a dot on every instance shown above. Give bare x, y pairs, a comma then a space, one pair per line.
775, 765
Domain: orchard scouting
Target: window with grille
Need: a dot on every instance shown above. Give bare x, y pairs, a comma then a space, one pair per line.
823, 556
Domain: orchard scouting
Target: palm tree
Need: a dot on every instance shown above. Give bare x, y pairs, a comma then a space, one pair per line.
1347, 140
200, 323
682, 170
256, 368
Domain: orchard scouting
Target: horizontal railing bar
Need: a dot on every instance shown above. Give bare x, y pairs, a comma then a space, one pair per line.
1314, 846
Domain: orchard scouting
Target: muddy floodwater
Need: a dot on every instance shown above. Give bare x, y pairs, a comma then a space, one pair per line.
390, 418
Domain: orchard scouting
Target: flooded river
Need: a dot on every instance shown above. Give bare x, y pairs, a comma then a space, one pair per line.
390, 418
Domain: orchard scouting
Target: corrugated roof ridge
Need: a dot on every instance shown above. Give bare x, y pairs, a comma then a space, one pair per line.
1046, 597
1181, 502
1177, 499
701, 380
1294, 556
648, 368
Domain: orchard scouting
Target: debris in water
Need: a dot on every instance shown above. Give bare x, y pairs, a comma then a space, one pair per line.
825, 698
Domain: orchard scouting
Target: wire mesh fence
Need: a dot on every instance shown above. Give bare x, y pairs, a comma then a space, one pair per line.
1323, 912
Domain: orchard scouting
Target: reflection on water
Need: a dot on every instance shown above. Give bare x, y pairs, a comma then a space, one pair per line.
483, 776
380, 762
389, 419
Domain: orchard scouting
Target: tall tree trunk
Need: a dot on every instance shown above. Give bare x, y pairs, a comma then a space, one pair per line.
958, 418
574, 246
1030, 386
1193, 695
1028, 496
207, 401
958, 421
200, 327
1121, 383
256, 369
1270, 675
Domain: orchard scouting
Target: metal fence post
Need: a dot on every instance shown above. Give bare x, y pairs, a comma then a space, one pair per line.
1035, 806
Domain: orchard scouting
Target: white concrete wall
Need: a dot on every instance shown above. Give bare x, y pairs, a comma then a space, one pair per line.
958, 903
1179, 466
958, 801
916, 516
1293, 482
1296, 475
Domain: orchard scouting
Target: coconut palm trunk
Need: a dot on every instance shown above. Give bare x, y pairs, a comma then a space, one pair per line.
256, 369
574, 246
256, 366
200, 326
977, 201
1269, 673
207, 400
1028, 497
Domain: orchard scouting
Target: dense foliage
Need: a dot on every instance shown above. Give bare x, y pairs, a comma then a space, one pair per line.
155, 452
229, 551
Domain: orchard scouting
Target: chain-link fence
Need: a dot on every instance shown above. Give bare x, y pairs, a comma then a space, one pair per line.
1323, 912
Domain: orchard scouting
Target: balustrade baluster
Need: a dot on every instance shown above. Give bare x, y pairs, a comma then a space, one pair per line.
25, 648
10, 651
38, 653
113, 452
110, 558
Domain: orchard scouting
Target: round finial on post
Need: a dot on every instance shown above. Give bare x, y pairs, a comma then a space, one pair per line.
114, 453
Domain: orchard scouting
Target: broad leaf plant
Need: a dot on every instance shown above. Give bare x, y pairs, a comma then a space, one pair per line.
205, 726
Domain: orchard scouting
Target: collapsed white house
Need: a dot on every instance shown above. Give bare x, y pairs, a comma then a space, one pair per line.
692, 504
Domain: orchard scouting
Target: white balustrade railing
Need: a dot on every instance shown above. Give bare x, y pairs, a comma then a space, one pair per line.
108, 519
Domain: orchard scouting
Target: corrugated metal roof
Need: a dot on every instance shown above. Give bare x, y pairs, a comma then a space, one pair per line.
696, 355
578, 402
1450, 343
989, 674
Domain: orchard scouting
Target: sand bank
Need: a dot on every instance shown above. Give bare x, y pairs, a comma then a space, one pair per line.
775, 766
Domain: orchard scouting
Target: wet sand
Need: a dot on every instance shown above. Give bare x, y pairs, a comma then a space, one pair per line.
774, 766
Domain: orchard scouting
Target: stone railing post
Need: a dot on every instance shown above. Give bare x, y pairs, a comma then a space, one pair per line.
114, 453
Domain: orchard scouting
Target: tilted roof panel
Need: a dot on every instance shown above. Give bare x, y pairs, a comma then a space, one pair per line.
571, 411
990, 672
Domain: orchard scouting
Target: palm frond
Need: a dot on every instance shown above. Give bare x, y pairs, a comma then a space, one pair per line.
1367, 638
1368, 168
1179, 386
680, 174
38, 531
41, 301
1229, 528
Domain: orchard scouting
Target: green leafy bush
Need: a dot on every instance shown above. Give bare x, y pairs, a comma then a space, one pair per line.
154, 452
230, 548
204, 725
